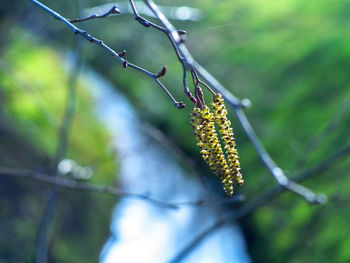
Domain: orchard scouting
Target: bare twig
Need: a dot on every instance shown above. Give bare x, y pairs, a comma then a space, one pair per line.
214, 202
333, 124
245, 210
113, 10
237, 107
146, 23
197, 81
108, 49
42, 243
74, 184
62, 146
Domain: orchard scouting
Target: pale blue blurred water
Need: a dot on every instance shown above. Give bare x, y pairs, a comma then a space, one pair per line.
142, 232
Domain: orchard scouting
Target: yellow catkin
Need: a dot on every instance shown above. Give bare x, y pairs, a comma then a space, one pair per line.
227, 137
202, 121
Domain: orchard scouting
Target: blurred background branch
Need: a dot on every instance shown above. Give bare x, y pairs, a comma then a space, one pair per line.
261, 200
75, 184
43, 238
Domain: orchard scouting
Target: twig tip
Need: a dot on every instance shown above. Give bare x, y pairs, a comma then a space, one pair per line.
245, 103
115, 10
180, 105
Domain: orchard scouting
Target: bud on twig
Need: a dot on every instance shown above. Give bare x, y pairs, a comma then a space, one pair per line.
183, 35
180, 105
122, 54
114, 10
125, 63
161, 73
142, 21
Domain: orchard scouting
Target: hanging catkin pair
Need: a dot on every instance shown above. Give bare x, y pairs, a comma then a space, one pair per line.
202, 121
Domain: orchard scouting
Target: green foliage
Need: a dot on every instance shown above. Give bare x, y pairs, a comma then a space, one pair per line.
34, 82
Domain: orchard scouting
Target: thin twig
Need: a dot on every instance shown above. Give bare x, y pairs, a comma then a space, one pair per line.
111, 11
333, 124
74, 184
239, 198
245, 210
77, 185
62, 146
108, 49
42, 243
146, 23
236, 105
197, 81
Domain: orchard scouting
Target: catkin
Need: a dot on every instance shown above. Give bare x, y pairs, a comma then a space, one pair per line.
227, 137
202, 121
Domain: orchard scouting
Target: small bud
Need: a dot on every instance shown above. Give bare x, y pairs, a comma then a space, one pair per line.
122, 54
180, 105
193, 99
114, 10
161, 73
183, 36
246, 103
125, 63
142, 21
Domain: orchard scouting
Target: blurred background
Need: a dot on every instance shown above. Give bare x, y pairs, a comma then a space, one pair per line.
69, 109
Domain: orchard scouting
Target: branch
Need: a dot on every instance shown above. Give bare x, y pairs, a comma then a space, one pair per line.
146, 23
261, 200
62, 146
74, 184
333, 124
108, 49
111, 11
239, 198
236, 105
